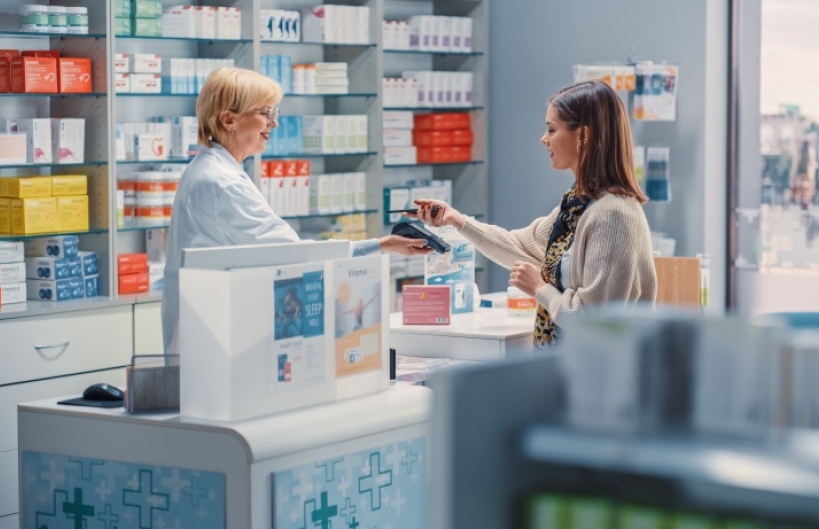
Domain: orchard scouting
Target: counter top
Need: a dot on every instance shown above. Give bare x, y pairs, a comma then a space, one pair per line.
41, 308
489, 324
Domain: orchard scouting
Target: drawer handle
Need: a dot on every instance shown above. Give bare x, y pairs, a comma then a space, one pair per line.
63, 347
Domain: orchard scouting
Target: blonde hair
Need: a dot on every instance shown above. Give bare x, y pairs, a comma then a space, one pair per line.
237, 90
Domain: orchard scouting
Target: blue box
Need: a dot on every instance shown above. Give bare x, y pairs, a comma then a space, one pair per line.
51, 268
59, 290
74, 266
286, 73
91, 285
76, 286
63, 246
89, 263
295, 135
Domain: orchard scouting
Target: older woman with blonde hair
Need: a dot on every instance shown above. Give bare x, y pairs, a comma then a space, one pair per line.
217, 203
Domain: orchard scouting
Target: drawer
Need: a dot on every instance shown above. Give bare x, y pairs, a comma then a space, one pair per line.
11, 396
10, 522
66, 343
9, 503
148, 329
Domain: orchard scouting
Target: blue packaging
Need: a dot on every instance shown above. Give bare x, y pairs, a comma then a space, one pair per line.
279, 137
88, 263
59, 290
49, 268
286, 73
91, 285
63, 246
74, 267
294, 135
76, 287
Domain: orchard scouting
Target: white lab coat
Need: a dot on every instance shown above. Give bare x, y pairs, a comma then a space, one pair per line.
217, 204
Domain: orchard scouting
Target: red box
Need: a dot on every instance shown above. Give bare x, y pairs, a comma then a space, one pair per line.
291, 168
275, 169
74, 75
134, 283
34, 75
8, 54
5, 75
442, 121
450, 154
303, 167
426, 304
442, 138
55, 54
132, 263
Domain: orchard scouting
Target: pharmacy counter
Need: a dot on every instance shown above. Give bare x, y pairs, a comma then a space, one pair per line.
356, 462
483, 336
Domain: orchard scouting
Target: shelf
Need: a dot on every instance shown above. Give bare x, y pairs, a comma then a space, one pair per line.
299, 156
187, 39
327, 44
168, 161
92, 94
40, 308
332, 215
359, 94
438, 53
61, 36
436, 109
56, 165
9, 237
473, 162
142, 228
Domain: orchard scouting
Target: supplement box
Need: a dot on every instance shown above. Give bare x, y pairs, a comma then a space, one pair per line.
33, 215
132, 263
426, 305
72, 213
12, 293
38, 139
91, 285
5, 215
134, 283
12, 252
58, 290
62, 246
51, 268
22, 187
74, 75
68, 142
69, 184
12, 273
89, 266
13, 148
34, 75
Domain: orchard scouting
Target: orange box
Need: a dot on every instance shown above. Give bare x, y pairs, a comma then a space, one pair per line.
444, 154
265, 170
290, 168
442, 121
74, 75
132, 263
442, 138
8, 54
54, 54
134, 283
303, 167
275, 169
5, 75
34, 75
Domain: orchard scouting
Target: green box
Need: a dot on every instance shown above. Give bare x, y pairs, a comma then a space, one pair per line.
146, 27
122, 8
641, 518
547, 511
122, 26
585, 513
146, 9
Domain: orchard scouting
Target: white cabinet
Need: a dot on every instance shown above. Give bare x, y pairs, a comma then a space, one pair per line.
148, 329
10, 522
8, 482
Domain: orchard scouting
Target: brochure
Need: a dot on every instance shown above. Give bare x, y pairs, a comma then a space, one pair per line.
357, 290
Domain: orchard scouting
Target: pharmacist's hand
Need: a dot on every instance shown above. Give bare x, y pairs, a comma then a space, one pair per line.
445, 216
404, 245
526, 277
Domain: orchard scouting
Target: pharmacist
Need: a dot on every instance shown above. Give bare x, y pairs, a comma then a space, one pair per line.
217, 203
595, 246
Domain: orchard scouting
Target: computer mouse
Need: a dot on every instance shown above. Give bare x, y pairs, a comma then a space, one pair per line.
103, 392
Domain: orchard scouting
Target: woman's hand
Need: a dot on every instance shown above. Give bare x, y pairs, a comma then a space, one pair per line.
404, 245
526, 277
445, 216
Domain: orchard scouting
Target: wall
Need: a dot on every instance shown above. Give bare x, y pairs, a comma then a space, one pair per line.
533, 47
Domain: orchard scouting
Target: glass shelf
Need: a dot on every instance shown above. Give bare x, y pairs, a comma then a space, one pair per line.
168, 161
189, 39
334, 155
61, 36
328, 44
7, 237
332, 215
438, 53
436, 109
142, 228
358, 94
91, 94
55, 164
164, 94
473, 162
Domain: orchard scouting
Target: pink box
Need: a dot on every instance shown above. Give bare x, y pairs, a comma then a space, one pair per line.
427, 305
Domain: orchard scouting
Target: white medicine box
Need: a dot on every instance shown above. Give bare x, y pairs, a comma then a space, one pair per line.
145, 63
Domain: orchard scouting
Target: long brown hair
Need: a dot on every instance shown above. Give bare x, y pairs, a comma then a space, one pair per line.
606, 157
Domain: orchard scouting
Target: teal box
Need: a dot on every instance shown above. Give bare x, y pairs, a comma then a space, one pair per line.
122, 8
77, 287
295, 136
146, 9
122, 26
147, 27
91, 285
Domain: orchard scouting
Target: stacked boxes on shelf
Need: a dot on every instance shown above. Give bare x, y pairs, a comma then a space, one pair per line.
202, 22
147, 197
42, 141
44, 72
134, 273
336, 24
187, 76
443, 137
43, 204
279, 25
12, 273
279, 68
403, 197
166, 137
56, 270
436, 34
138, 18
398, 146
322, 78
155, 242
138, 73
332, 194
53, 19
428, 89
318, 135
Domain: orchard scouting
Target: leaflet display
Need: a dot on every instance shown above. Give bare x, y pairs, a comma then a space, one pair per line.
358, 326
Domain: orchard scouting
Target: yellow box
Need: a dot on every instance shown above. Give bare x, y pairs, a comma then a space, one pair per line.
5, 215
72, 213
33, 215
26, 187
69, 184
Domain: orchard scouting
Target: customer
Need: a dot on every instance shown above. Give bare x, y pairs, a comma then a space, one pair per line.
595, 246
217, 203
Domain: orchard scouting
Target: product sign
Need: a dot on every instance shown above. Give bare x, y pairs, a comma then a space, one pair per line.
299, 355
357, 288
455, 268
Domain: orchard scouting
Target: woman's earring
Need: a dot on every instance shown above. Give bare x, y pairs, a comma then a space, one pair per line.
234, 130
578, 148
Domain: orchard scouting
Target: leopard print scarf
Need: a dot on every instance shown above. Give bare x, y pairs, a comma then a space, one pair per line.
560, 239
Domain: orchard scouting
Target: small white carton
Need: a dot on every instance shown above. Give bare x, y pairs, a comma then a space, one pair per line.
145, 63
205, 19
150, 146
12, 252
303, 195
12, 293
122, 83
348, 192
362, 25
121, 62
398, 119
320, 194
38, 139
337, 193
146, 83
68, 140
400, 156
397, 138
12, 273
360, 191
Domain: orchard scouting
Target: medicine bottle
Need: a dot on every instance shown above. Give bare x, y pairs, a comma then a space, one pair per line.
77, 18
519, 304
34, 18
57, 19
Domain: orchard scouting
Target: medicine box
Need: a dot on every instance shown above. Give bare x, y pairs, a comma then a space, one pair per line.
122, 83
132, 263
395, 198
91, 286
121, 8
122, 62
26, 187
205, 21
426, 305
55, 290
349, 189
150, 146
69, 184
145, 63
146, 27
336, 192
5, 75
12, 273
179, 21
72, 213
89, 265
397, 138
146, 8
60, 246
12, 293
134, 283
145, 83
5, 216
451, 154
398, 119
320, 194
38, 139
33, 215
400, 156
34, 75
74, 75
52, 267
442, 121
122, 26
12, 252
13, 148
68, 141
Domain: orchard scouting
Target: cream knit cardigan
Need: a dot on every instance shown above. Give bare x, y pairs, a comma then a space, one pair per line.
611, 260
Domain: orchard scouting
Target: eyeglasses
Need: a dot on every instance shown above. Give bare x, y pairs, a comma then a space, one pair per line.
272, 115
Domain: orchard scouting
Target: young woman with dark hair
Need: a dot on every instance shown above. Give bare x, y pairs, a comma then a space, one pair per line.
595, 246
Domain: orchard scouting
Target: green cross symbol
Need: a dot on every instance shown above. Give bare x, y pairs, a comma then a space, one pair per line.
354, 525
77, 511
145, 500
324, 513
376, 480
